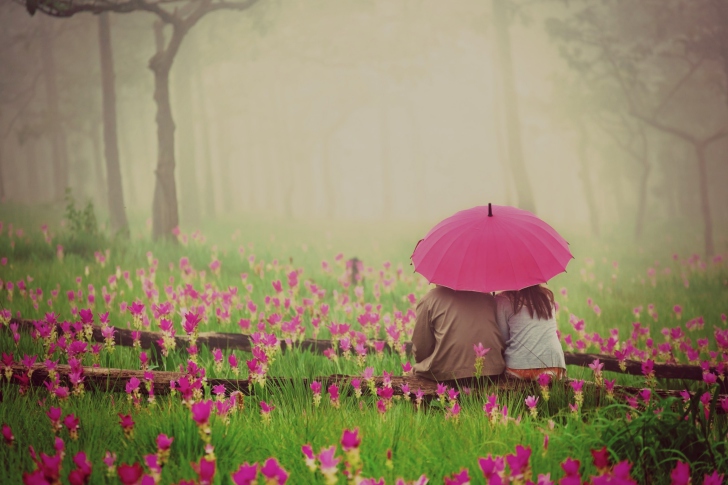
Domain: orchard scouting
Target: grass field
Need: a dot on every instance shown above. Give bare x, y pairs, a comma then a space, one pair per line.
292, 280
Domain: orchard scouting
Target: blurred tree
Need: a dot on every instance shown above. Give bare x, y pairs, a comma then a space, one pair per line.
181, 16
59, 151
115, 193
507, 86
668, 58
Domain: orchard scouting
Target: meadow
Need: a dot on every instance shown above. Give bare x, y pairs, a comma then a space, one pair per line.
658, 302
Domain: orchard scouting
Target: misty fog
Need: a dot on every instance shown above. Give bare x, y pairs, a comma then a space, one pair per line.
378, 110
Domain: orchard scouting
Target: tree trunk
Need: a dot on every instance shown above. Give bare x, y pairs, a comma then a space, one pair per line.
513, 124
3, 194
98, 164
642, 198
585, 176
203, 129
59, 151
385, 160
117, 208
704, 198
189, 200
165, 217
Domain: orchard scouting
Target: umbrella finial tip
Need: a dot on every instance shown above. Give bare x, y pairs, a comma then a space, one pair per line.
490, 210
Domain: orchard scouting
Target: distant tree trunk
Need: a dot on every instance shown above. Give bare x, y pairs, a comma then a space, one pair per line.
203, 130
115, 196
705, 198
165, 217
3, 193
513, 124
700, 146
189, 199
585, 176
59, 151
642, 194
33, 189
385, 160
98, 164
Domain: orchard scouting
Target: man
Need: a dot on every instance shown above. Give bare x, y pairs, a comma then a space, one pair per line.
449, 323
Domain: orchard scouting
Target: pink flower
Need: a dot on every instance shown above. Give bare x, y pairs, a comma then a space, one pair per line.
205, 470
519, 461
491, 466
130, 474
8, 435
680, 475
266, 408
648, 367
601, 459
479, 350
458, 478
273, 471
350, 439
164, 442
713, 479
246, 474
201, 412
381, 407
126, 422
406, 368
544, 379
334, 392
531, 402
327, 460
645, 394
596, 366
356, 383
571, 468
316, 387
577, 385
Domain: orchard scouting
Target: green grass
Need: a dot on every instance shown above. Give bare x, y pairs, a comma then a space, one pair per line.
422, 441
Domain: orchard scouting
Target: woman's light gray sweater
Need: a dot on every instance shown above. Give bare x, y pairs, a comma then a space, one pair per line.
531, 343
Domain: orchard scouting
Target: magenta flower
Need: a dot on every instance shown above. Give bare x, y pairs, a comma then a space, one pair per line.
132, 385
544, 379
201, 412
680, 475
130, 474
531, 402
8, 435
577, 385
441, 389
491, 467
596, 366
309, 456
571, 468
205, 470
273, 472
350, 439
316, 387
601, 459
328, 461
356, 383
334, 392
164, 442
126, 422
246, 474
381, 407
385, 392
458, 478
406, 368
519, 461
71, 422
266, 408
645, 394
648, 367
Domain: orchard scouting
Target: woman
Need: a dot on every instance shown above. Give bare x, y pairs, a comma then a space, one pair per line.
526, 321
448, 324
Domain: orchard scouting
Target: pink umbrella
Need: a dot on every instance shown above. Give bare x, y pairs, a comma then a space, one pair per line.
491, 248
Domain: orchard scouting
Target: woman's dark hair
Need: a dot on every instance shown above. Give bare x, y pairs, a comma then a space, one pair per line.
537, 299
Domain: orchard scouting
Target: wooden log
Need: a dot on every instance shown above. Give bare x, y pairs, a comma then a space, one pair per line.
114, 380
239, 341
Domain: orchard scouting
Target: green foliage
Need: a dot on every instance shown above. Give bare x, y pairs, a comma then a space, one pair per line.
81, 222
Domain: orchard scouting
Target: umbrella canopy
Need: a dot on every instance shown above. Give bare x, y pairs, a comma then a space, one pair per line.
491, 248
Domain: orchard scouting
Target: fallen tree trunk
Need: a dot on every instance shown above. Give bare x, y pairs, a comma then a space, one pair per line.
240, 341
114, 380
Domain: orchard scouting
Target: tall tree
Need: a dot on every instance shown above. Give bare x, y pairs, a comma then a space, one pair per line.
165, 215
501, 22
661, 55
115, 194
59, 149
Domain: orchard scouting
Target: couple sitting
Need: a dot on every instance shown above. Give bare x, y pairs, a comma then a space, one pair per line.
518, 326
